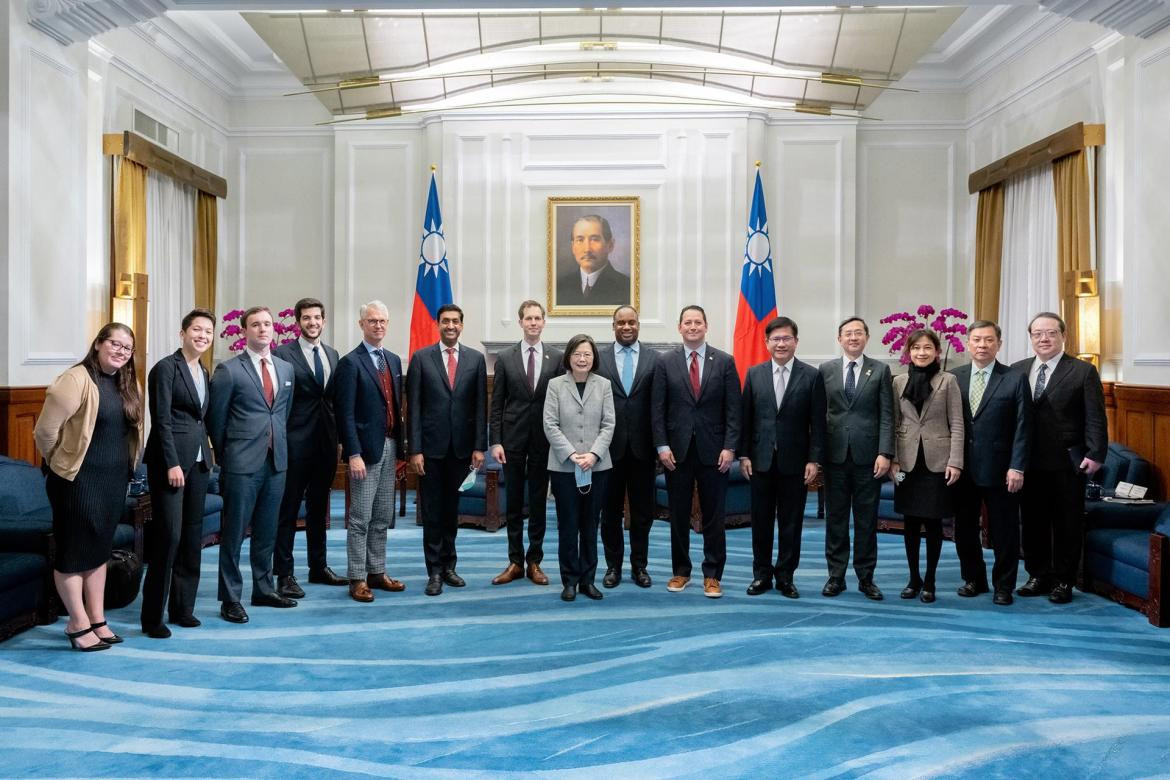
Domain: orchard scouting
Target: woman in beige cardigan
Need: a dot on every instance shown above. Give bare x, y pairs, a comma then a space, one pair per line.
89, 433
928, 455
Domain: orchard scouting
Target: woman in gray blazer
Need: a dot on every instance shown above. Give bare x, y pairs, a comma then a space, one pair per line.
579, 422
928, 454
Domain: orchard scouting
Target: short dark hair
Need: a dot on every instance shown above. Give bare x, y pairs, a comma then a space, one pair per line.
691, 307
625, 306
254, 310
196, 313
919, 334
571, 347
848, 320
446, 307
606, 232
528, 304
1050, 315
777, 323
977, 324
307, 303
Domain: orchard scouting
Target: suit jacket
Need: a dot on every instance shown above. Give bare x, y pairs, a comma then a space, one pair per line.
611, 288
998, 434
442, 421
576, 422
361, 404
177, 427
515, 419
712, 419
863, 429
938, 428
792, 435
632, 431
1068, 421
312, 428
239, 420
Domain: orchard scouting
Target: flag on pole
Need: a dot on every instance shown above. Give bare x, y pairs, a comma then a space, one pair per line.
432, 287
757, 288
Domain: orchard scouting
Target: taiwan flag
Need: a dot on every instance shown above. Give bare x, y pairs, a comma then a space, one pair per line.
757, 289
432, 287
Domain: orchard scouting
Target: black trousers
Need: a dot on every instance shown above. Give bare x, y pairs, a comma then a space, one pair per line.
439, 489
850, 487
310, 479
680, 485
777, 502
526, 472
1053, 513
635, 476
173, 548
578, 516
1003, 526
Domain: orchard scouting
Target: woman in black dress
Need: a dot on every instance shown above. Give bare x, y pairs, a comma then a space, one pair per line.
928, 455
89, 432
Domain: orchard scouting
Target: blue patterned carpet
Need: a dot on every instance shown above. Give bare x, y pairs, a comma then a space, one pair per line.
490, 681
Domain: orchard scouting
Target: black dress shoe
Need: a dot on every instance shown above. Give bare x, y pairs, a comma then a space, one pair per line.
970, 589
289, 587
451, 578
612, 577
788, 590
833, 587
1002, 597
568, 593
187, 621
927, 596
1061, 594
272, 600
911, 590
233, 612
157, 632
590, 590
434, 585
641, 578
759, 586
1035, 587
326, 577
871, 591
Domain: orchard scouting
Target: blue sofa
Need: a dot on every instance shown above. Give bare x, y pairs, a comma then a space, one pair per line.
27, 596
1127, 556
737, 505
481, 506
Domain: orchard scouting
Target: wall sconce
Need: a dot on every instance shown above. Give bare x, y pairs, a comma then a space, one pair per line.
1089, 329
1081, 283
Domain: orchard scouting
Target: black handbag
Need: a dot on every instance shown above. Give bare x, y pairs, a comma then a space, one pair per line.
123, 579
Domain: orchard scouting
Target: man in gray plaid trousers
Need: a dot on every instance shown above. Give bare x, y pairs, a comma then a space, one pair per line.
368, 406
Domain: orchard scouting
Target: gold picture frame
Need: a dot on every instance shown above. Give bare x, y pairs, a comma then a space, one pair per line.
616, 261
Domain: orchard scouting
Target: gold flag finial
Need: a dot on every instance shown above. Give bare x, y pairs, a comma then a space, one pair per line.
757, 163
434, 167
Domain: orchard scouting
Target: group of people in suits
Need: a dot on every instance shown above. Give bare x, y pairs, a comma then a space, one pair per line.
593, 422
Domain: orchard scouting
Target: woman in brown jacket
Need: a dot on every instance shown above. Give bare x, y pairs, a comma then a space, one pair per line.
89, 433
928, 455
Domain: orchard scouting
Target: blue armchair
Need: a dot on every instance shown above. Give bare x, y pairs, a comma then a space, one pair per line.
1127, 556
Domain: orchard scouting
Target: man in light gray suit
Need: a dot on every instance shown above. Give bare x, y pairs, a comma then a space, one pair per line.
860, 426
251, 396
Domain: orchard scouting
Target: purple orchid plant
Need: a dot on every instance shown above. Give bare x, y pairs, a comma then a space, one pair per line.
284, 331
903, 323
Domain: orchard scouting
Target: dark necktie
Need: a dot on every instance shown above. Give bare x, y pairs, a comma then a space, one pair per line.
695, 374
1040, 382
266, 379
532, 369
850, 381
318, 367
379, 364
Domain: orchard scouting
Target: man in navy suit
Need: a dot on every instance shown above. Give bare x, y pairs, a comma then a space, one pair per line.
369, 417
1069, 441
629, 366
446, 386
997, 417
695, 418
781, 444
251, 396
312, 450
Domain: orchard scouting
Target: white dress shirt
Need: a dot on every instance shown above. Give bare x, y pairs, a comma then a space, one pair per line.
845, 361
1035, 371
255, 358
307, 351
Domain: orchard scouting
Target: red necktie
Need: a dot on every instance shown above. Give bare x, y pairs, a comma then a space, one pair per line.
451, 367
532, 369
269, 390
695, 374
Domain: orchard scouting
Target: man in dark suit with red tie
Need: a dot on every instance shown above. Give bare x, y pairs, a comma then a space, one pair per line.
516, 433
695, 418
312, 450
369, 418
1069, 441
446, 386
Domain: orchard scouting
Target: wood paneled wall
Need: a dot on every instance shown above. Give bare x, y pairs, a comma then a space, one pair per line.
19, 409
1141, 421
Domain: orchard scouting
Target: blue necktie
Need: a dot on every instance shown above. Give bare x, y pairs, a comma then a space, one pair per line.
628, 369
850, 382
318, 367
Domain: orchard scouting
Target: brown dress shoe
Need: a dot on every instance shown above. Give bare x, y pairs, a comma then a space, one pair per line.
383, 582
510, 573
360, 591
711, 588
677, 583
536, 575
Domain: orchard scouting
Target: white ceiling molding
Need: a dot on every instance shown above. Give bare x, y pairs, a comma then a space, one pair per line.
1141, 18
69, 21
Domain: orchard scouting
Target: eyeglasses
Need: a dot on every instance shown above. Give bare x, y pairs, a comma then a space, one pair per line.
1041, 334
582, 355
852, 333
780, 339
118, 346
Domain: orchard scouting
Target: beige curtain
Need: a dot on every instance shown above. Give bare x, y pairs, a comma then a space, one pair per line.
1070, 176
988, 252
129, 247
206, 242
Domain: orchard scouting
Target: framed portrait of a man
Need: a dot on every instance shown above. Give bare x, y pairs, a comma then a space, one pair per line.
593, 254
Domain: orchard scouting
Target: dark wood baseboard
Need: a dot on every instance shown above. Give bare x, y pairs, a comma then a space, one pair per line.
19, 409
